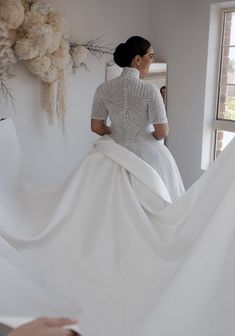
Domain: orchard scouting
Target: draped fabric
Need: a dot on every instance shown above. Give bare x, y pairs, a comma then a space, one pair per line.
109, 247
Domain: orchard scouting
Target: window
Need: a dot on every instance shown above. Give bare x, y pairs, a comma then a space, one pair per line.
224, 123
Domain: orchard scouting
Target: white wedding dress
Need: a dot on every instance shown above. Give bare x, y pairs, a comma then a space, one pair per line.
109, 247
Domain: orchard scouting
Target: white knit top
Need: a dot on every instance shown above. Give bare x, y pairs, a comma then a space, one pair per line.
131, 104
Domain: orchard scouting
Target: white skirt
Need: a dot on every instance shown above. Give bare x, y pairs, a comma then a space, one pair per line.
109, 247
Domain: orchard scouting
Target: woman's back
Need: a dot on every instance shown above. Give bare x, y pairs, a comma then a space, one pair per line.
133, 106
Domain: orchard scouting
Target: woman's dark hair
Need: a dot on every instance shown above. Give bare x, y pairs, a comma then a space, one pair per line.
125, 52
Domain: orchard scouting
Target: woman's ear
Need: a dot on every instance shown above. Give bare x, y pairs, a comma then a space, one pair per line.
136, 60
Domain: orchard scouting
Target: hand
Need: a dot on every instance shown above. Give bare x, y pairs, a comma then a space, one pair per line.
44, 327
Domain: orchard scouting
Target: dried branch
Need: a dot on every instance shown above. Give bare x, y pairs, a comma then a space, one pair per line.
76, 67
95, 46
6, 92
27, 4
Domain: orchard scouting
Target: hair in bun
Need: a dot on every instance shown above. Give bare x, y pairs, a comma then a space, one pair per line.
121, 55
125, 52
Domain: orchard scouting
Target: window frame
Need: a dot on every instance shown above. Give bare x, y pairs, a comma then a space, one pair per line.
221, 124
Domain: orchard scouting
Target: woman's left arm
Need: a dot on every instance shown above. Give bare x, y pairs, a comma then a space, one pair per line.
157, 115
160, 131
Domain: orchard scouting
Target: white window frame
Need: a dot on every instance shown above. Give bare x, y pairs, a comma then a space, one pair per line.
221, 124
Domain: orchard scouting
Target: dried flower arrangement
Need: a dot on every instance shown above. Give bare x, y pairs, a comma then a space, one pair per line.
11, 17
37, 35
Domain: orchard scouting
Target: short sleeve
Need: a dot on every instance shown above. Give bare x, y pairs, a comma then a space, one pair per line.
98, 108
156, 108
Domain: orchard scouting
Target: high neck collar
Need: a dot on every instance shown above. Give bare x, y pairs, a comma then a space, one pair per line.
130, 72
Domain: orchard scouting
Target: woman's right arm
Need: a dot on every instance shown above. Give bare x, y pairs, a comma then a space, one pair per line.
99, 114
100, 127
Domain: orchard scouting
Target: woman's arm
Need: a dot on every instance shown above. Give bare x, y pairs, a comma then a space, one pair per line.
100, 127
160, 131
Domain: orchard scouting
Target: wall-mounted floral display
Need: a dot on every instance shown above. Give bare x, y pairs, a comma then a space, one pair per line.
33, 32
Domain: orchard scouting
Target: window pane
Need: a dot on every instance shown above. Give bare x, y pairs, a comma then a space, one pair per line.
228, 66
226, 108
223, 138
229, 29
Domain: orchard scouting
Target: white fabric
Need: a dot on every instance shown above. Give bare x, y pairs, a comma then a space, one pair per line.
133, 105
109, 247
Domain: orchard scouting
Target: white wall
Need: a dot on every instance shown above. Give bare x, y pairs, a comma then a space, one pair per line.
179, 31
49, 155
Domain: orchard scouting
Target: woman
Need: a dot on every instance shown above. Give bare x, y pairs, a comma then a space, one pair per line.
133, 106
